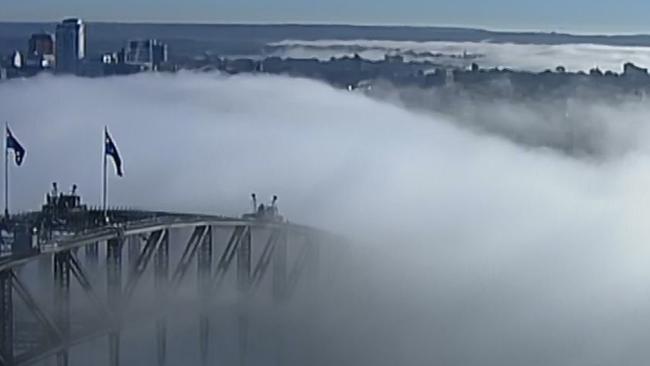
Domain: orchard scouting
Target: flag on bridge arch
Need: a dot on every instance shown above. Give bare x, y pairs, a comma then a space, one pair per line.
13, 144
111, 150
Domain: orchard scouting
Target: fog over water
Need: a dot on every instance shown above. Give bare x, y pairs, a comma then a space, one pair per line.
466, 248
531, 57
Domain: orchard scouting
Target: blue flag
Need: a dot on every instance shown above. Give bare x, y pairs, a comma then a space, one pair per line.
111, 150
13, 144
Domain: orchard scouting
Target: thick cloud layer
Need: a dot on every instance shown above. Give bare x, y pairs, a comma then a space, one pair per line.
574, 57
466, 249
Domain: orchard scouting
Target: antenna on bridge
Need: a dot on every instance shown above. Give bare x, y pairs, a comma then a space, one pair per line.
275, 200
254, 198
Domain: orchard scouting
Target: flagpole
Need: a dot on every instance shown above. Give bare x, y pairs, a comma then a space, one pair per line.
6, 173
104, 202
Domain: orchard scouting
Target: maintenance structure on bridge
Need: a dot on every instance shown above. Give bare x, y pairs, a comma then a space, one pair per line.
76, 247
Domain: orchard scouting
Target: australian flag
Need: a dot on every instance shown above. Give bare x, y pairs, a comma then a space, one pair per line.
13, 144
111, 150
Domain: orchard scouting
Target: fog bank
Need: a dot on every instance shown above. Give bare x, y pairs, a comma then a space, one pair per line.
531, 57
467, 248
582, 121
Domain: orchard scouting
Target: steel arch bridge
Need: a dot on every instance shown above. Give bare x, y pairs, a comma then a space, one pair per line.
161, 252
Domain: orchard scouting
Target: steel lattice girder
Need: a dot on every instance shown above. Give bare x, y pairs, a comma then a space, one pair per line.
153, 242
199, 246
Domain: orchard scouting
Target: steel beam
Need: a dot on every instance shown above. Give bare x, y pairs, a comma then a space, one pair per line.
244, 262
204, 268
52, 331
114, 289
244, 285
134, 248
92, 256
80, 274
279, 291
204, 263
45, 276
6, 318
308, 255
153, 242
114, 274
265, 258
197, 237
62, 300
272, 257
229, 253
280, 268
161, 284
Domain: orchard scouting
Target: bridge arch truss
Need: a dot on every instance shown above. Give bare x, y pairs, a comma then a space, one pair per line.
112, 264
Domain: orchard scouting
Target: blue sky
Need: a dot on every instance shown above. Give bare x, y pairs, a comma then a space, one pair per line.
622, 16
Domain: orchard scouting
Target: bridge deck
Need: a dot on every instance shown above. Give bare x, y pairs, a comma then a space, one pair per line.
167, 221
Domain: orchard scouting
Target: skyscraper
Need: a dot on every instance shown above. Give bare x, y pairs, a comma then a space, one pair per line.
148, 54
70, 45
40, 51
41, 44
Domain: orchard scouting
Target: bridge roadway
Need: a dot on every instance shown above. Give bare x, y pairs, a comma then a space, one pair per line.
61, 250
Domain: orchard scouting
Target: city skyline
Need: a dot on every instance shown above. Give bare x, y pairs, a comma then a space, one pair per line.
581, 16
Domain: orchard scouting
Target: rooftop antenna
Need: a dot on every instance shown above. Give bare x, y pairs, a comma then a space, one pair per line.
55, 189
74, 189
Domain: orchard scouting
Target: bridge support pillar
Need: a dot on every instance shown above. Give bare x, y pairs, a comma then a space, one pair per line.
134, 249
313, 259
92, 256
244, 262
280, 268
6, 319
244, 285
279, 293
45, 277
204, 266
161, 278
114, 289
62, 300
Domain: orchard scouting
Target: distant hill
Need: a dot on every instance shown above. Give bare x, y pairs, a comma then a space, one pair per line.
241, 39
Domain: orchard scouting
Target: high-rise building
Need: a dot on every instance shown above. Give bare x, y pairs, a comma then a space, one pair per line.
148, 54
159, 53
40, 51
70, 45
41, 44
